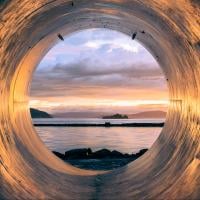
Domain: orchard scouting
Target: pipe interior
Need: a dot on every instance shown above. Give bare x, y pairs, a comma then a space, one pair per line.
170, 169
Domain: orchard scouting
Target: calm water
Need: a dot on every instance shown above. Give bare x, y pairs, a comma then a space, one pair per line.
124, 139
94, 121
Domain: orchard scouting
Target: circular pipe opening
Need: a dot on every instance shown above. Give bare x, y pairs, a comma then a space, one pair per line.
94, 73
170, 168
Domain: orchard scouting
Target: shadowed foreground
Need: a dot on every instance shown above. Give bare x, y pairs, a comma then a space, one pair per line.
103, 159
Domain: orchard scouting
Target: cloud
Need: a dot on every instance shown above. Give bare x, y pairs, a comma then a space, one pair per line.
97, 66
112, 45
96, 44
72, 78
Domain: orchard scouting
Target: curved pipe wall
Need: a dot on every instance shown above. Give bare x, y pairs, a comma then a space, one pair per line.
170, 169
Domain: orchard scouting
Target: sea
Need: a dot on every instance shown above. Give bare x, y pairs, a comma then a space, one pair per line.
123, 139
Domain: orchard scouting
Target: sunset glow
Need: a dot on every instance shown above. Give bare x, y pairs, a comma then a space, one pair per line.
99, 70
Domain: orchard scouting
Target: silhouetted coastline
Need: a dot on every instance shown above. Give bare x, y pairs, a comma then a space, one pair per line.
103, 159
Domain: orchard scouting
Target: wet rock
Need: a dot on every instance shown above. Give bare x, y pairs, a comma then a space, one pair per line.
103, 153
59, 155
78, 153
126, 155
103, 159
141, 152
117, 154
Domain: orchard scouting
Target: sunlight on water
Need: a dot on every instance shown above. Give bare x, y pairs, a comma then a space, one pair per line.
123, 139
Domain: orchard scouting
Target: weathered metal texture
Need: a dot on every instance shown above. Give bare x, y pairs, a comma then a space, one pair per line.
170, 30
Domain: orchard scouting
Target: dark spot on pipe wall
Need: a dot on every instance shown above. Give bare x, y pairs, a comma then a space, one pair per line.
60, 37
134, 35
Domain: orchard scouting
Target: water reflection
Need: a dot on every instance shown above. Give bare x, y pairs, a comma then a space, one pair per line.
123, 139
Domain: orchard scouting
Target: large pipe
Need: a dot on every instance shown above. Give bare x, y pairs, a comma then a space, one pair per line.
170, 169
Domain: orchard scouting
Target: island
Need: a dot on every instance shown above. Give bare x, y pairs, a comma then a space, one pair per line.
115, 116
35, 113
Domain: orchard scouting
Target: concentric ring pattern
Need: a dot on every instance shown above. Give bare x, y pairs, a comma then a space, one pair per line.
170, 30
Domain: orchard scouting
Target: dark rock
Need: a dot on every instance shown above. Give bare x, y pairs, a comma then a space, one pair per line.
103, 159
103, 153
126, 155
60, 155
78, 153
141, 152
117, 154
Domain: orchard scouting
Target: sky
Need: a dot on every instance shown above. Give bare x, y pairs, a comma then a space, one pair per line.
98, 70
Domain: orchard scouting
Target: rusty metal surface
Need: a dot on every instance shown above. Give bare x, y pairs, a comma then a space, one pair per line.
170, 169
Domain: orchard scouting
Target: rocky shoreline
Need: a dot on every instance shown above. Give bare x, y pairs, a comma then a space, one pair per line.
103, 159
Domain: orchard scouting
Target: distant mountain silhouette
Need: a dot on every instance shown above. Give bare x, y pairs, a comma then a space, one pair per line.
148, 114
35, 113
80, 114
